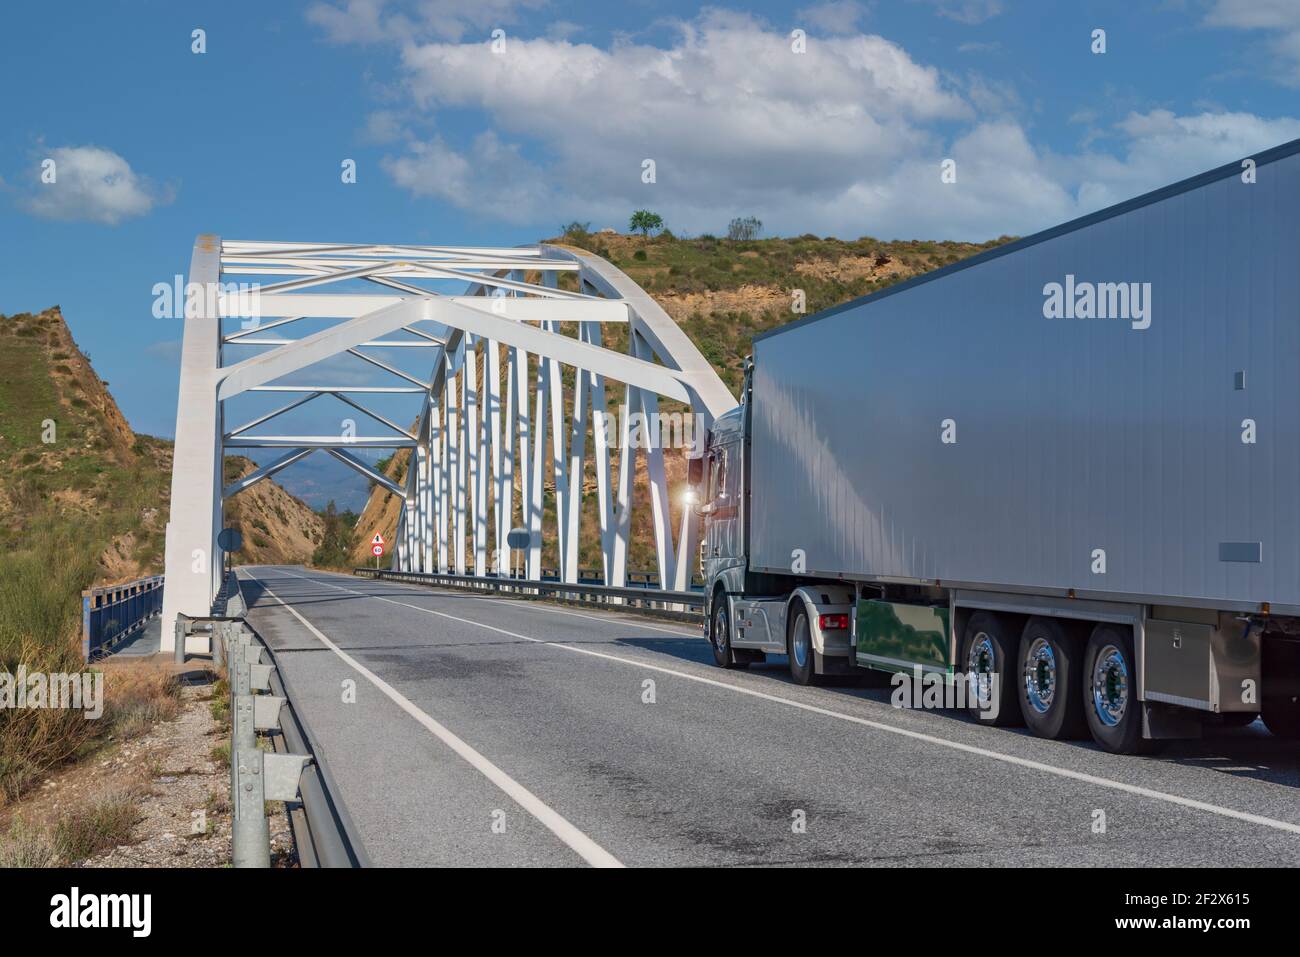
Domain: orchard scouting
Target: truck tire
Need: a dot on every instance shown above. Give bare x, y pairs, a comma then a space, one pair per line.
1049, 689
799, 646
989, 648
720, 635
1237, 719
1280, 701
1110, 691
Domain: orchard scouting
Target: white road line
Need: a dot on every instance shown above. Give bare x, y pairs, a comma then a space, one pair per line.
606, 620
515, 603
587, 849
865, 722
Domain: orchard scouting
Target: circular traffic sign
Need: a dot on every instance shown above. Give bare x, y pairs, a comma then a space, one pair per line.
377, 550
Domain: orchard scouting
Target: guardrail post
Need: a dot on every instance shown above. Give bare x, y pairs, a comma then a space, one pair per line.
252, 831
220, 642
182, 629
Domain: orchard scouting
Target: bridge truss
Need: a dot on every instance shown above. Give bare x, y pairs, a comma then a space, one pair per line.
514, 393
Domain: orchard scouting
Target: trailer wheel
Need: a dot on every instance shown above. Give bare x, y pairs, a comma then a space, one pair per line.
1237, 719
988, 655
1280, 703
1110, 692
798, 644
720, 635
1051, 694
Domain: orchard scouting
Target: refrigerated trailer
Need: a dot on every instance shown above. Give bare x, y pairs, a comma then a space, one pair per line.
1064, 474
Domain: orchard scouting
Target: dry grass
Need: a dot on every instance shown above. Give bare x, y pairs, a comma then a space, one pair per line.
27, 846
77, 834
91, 828
32, 741
136, 696
35, 741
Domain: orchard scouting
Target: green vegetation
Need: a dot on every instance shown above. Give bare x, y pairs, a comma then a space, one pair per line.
645, 222
724, 291
337, 542
744, 228
76, 481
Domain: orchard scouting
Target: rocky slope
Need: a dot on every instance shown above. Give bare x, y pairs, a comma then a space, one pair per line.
75, 471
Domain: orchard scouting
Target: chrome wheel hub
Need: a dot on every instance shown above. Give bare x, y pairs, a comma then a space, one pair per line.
981, 663
1040, 675
1110, 686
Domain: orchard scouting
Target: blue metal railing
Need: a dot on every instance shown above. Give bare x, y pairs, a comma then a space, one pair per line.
113, 613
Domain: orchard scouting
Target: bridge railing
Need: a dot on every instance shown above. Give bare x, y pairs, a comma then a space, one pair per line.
685, 605
112, 613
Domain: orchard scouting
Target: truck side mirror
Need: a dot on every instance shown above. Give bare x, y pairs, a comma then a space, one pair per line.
695, 470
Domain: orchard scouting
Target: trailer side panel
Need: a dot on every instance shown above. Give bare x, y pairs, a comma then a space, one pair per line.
953, 431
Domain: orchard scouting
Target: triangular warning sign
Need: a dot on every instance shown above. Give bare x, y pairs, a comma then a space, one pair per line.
377, 540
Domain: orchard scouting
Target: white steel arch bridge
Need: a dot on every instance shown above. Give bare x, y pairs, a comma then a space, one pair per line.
495, 330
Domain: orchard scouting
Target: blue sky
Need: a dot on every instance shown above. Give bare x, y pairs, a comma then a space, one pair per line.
457, 143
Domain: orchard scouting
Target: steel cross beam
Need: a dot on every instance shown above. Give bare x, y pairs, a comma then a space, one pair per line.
499, 438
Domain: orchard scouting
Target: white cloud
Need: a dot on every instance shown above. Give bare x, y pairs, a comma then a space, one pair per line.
1163, 148
966, 11
375, 21
90, 184
845, 139
1251, 14
1281, 18
382, 126
834, 16
491, 176
730, 115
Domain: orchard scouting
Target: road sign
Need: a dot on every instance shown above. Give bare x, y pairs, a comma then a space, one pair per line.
377, 540
230, 540
376, 550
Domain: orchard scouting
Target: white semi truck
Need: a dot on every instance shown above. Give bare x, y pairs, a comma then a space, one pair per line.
1065, 471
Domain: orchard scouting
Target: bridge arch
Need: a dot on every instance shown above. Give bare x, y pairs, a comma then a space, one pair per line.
501, 328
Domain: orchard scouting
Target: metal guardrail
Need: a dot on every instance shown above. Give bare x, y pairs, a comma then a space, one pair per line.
684, 605
112, 613
592, 576
292, 771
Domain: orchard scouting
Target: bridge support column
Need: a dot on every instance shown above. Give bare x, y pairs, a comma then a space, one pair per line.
193, 562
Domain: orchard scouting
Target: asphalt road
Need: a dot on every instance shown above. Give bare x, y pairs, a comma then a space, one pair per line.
500, 732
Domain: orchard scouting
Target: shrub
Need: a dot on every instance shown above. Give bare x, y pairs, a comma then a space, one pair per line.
91, 828
26, 846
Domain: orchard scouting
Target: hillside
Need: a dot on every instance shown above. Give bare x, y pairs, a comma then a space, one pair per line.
84, 499
721, 292
277, 528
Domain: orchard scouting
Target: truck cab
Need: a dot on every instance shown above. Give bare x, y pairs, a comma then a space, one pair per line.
722, 557
749, 616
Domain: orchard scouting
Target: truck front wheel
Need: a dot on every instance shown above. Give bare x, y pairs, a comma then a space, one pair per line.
800, 648
720, 635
